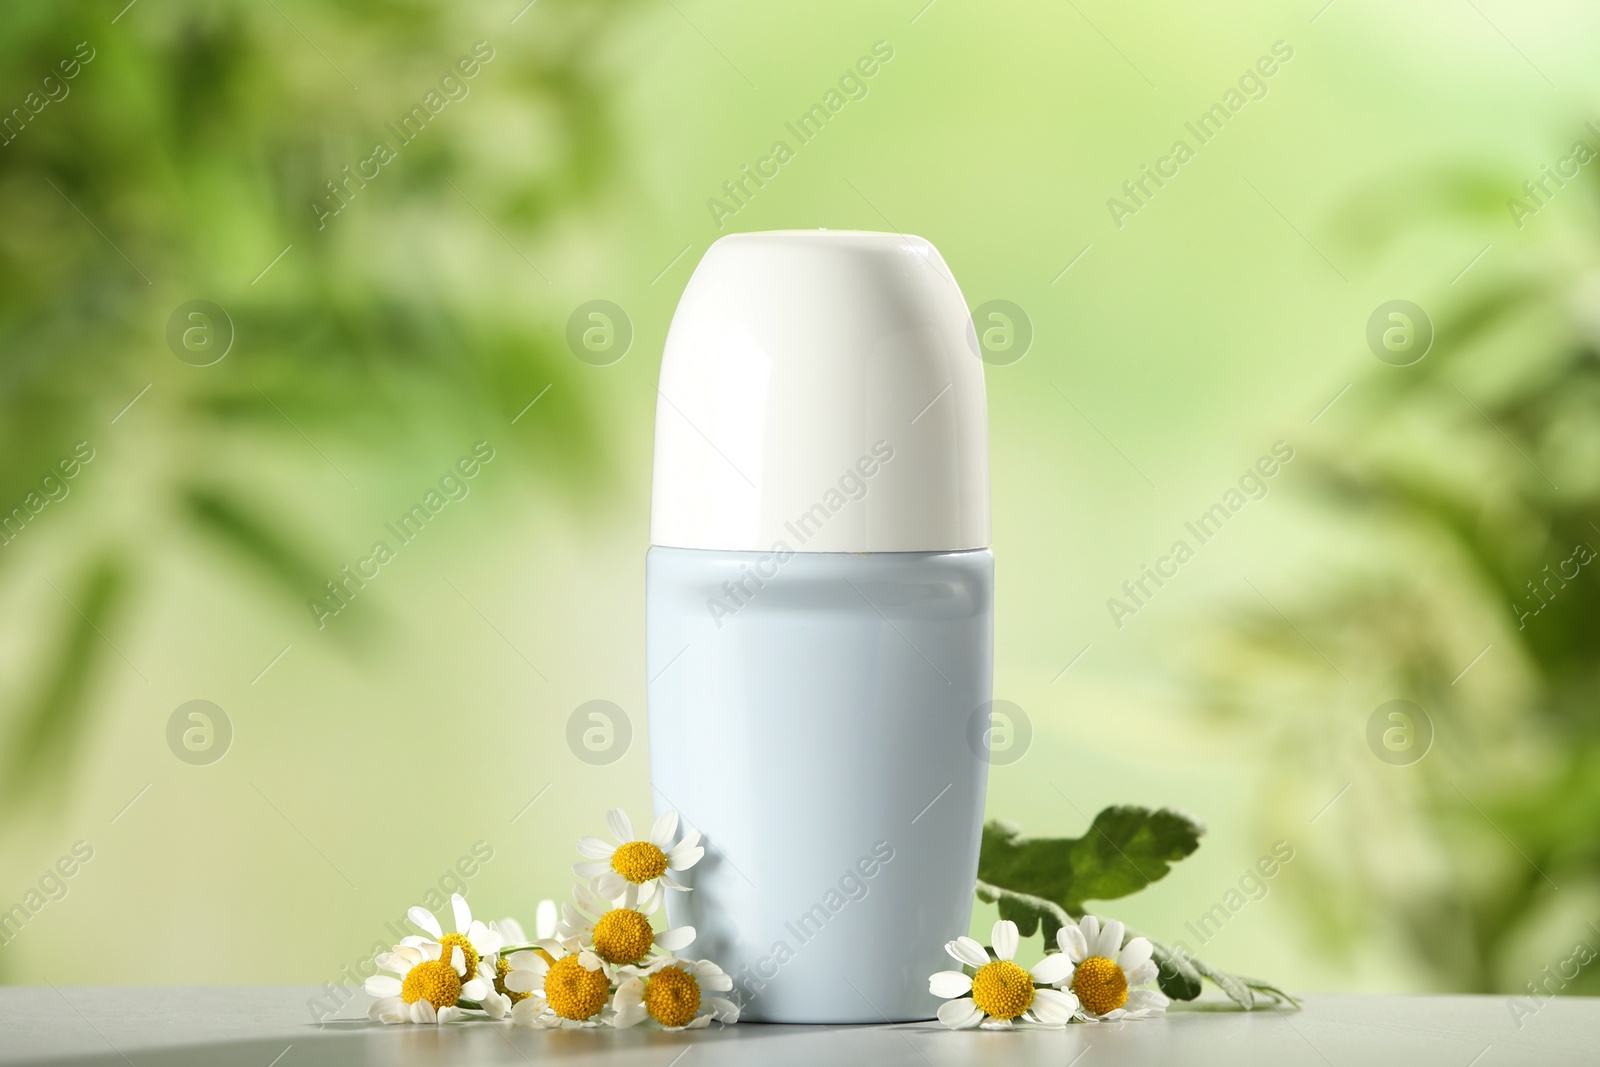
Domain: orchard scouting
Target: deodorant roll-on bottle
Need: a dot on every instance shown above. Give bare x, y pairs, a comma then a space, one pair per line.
820, 618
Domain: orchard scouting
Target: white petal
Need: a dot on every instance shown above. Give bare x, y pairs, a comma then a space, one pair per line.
949, 984
704, 970
1143, 974
475, 989
458, 960
544, 919
380, 1008
1147, 1000
965, 950
511, 932
1110, 940
699, 1022
588, 902
449, 1014
1005, 939
960, 1014
621, 826
591, 869
1134, 953
431, 950
424, 920
382, 985
717, 982
609, 884
665, 829
595, 849
632, 1015
485, 940
1052, 1006
683, 857
463, 914
589, 961
996, 1024
723, 1010
673, 940
1090, 925
528, 960
526, 1012
1072, 944
1052, 969
495, 1006
422, 1012
524, 981
672, 883
649, 897
393, 962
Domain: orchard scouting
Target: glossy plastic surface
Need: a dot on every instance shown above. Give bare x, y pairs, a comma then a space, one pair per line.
796, 360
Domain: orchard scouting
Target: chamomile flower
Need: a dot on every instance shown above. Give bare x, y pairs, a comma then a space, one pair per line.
1000, 991
1105, 971
567, 986
501, 1000
429, 985
619, 934
475, 939
673, 993
612, 868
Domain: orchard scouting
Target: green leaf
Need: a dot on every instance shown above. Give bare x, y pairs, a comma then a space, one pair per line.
1125, 849
1176, 974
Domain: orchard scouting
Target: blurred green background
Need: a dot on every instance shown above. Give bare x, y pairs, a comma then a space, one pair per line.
1457, 848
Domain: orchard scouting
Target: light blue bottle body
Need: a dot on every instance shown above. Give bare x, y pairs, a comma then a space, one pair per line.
819, 717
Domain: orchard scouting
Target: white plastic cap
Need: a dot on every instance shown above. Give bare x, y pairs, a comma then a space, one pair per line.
821, 389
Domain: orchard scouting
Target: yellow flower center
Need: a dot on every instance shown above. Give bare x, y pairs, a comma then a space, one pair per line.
672, 996
639, 861
434, 981
502, 967
573, 991
1100, 985
622, 935
468, 953
1002, 990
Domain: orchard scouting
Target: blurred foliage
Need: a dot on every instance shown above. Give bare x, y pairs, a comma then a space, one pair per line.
1463, 497
180, 158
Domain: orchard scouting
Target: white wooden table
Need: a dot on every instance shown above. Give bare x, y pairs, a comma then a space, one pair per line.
271, 1027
